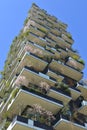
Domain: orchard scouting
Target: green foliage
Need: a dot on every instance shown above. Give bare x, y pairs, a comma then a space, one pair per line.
75, 57
26, 20
6, 125
69, 35
15, 39
7, 84
62, 24
47, 58
43, 30
14, 93
2, 73
64, 87
23, 35
66, 110
81, 61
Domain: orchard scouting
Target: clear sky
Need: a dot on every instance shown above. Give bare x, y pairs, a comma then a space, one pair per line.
72, 12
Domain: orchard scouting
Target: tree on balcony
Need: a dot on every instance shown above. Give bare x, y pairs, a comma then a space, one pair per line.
37, 113
21, 80
33, 50
44, 87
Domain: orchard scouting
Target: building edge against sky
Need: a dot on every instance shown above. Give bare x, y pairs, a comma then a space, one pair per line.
41, 78
64, 12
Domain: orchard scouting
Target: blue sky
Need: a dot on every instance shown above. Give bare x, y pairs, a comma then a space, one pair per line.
72, 12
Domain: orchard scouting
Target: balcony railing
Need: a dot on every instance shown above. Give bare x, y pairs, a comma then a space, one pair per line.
66, 70
30, 124
62, 92
84, 103
83, 107
63, 122
35, 97
83, 89
74, 64
75, 93
59, 95
42, 95
36, 77
57, 77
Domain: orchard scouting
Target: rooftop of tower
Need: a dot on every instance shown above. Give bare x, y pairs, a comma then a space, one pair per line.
64, 15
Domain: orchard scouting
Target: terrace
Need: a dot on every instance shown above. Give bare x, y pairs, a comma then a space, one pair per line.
66, 70
64, 123
31, 60
83, 89
35, 77
27, 96
22, 123
83, 107
77, 65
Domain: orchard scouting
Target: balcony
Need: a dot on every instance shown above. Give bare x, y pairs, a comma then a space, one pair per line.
75, 93
62, 68
56, 24
72, 54
83, 89
77, 65
48, 19
30, 97
58, 78
60, 95
38, 25
38, 19
52, 18
51, 42
37, 50
59, 41
83, 108
22, 123
35, 77
36, 31
55, 32
56, 53
31, 61
37, 40
64, 123
69, 40
63, 52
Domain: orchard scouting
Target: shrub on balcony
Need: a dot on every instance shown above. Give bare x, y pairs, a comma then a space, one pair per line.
57, 47
43, 30
37, 113
15, 92
66, 112
69, 35
23, 35
26, 20
33, 50
64, 87
21, 80
6, 125
81, 61
75, 57
44, 87
47, 58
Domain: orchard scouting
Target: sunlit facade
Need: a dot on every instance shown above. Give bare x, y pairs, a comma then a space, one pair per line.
41, 85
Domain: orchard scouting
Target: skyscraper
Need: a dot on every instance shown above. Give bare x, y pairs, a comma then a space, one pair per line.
41, 86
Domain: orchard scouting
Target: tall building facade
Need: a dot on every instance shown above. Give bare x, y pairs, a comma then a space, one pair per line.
41, 86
